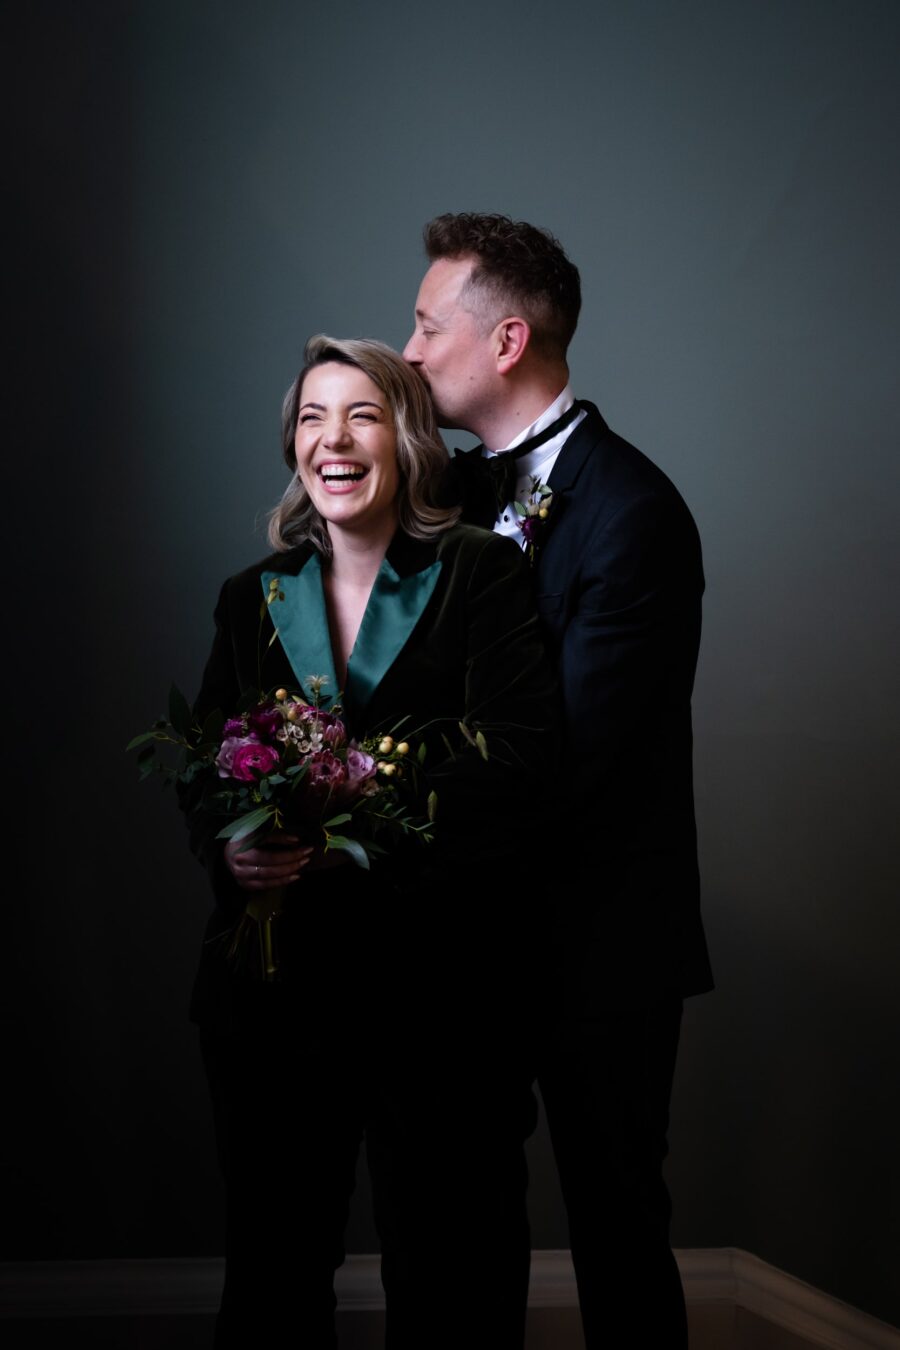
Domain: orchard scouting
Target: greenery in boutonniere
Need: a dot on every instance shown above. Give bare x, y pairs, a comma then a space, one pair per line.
533, 515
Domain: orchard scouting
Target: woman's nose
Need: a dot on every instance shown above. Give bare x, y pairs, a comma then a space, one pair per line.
337, 432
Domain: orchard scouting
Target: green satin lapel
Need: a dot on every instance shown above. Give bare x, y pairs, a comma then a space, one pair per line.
302, 624
395, 606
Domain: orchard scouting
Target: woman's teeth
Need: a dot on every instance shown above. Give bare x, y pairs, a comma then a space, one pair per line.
341, 473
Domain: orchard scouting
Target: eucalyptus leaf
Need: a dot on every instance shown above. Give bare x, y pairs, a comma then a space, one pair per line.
338, 820
345, 845
482, 744
432, 805
140, 740
244, 825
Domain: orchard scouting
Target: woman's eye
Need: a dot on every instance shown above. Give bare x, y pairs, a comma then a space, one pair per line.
309, 417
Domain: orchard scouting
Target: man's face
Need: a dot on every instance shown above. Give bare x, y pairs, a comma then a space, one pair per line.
450, 349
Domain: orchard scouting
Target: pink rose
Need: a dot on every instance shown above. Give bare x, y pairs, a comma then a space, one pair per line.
360, 769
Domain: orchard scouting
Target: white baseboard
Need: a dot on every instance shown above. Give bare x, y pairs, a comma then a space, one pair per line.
187, 1286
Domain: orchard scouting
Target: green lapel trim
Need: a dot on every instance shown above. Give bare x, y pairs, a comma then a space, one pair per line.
301, 623
395, 606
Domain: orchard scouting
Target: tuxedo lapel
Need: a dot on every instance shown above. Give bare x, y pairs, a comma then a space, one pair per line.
395, 607
299, 618
569, 463
571, 458
402, 588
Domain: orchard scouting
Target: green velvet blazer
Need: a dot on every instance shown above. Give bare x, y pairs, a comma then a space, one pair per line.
450, 634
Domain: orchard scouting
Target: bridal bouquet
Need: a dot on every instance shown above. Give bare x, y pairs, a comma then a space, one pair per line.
285, 763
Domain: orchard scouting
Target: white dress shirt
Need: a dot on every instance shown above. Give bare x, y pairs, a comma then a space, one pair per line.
539, 462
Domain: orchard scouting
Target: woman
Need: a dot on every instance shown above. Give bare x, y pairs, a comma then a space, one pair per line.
399, 1012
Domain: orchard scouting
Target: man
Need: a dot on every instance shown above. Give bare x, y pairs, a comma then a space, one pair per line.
618, 576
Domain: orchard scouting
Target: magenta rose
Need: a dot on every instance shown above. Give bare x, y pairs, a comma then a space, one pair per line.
531, 527
265, 721
252, 761
228, 750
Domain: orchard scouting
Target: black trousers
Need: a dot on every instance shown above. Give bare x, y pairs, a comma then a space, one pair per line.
445, 1113
606, 1083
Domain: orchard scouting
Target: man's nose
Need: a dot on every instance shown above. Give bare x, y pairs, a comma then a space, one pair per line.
411, 351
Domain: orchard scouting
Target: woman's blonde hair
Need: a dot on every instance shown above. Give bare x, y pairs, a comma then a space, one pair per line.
421, 456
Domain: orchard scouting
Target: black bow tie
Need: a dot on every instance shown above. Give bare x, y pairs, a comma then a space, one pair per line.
501, 471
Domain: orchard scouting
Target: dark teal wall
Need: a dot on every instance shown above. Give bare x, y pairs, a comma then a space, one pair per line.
207, 184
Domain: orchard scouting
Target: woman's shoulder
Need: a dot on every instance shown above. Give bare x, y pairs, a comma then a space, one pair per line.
471, 542
287, 564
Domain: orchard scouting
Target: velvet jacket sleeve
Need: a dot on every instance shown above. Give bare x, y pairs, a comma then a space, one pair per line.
490, 808
221, 688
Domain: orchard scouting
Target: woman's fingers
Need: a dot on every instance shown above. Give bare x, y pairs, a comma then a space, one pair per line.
275, 864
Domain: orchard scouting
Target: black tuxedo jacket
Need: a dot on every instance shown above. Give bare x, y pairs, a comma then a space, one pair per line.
619, 581
450, 634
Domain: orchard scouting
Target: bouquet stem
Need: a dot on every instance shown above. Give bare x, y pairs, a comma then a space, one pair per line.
264, 909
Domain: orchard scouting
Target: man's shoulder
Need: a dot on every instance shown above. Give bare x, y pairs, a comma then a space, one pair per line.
596, 463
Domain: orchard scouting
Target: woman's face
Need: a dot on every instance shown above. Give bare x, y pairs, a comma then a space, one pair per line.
346, 449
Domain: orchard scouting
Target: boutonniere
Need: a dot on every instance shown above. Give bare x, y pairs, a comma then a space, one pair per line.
534, 514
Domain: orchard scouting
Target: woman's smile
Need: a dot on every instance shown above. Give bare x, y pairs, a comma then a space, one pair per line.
346, 448
341, 476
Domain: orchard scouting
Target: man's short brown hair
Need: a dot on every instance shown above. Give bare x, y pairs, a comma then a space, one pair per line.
519, 269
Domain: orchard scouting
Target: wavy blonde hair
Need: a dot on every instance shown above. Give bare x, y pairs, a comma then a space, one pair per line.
421, 456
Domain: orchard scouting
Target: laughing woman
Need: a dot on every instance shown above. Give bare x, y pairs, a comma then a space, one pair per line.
401, 1013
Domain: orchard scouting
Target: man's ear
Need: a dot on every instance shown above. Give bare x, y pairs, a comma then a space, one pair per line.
512, 337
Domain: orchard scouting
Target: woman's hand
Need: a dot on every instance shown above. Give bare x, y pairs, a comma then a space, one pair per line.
277, 862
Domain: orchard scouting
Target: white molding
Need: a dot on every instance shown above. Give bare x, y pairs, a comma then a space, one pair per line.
186, 1286
808, 1312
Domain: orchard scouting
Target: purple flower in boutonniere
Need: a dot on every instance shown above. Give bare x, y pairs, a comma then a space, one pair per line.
533, 515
